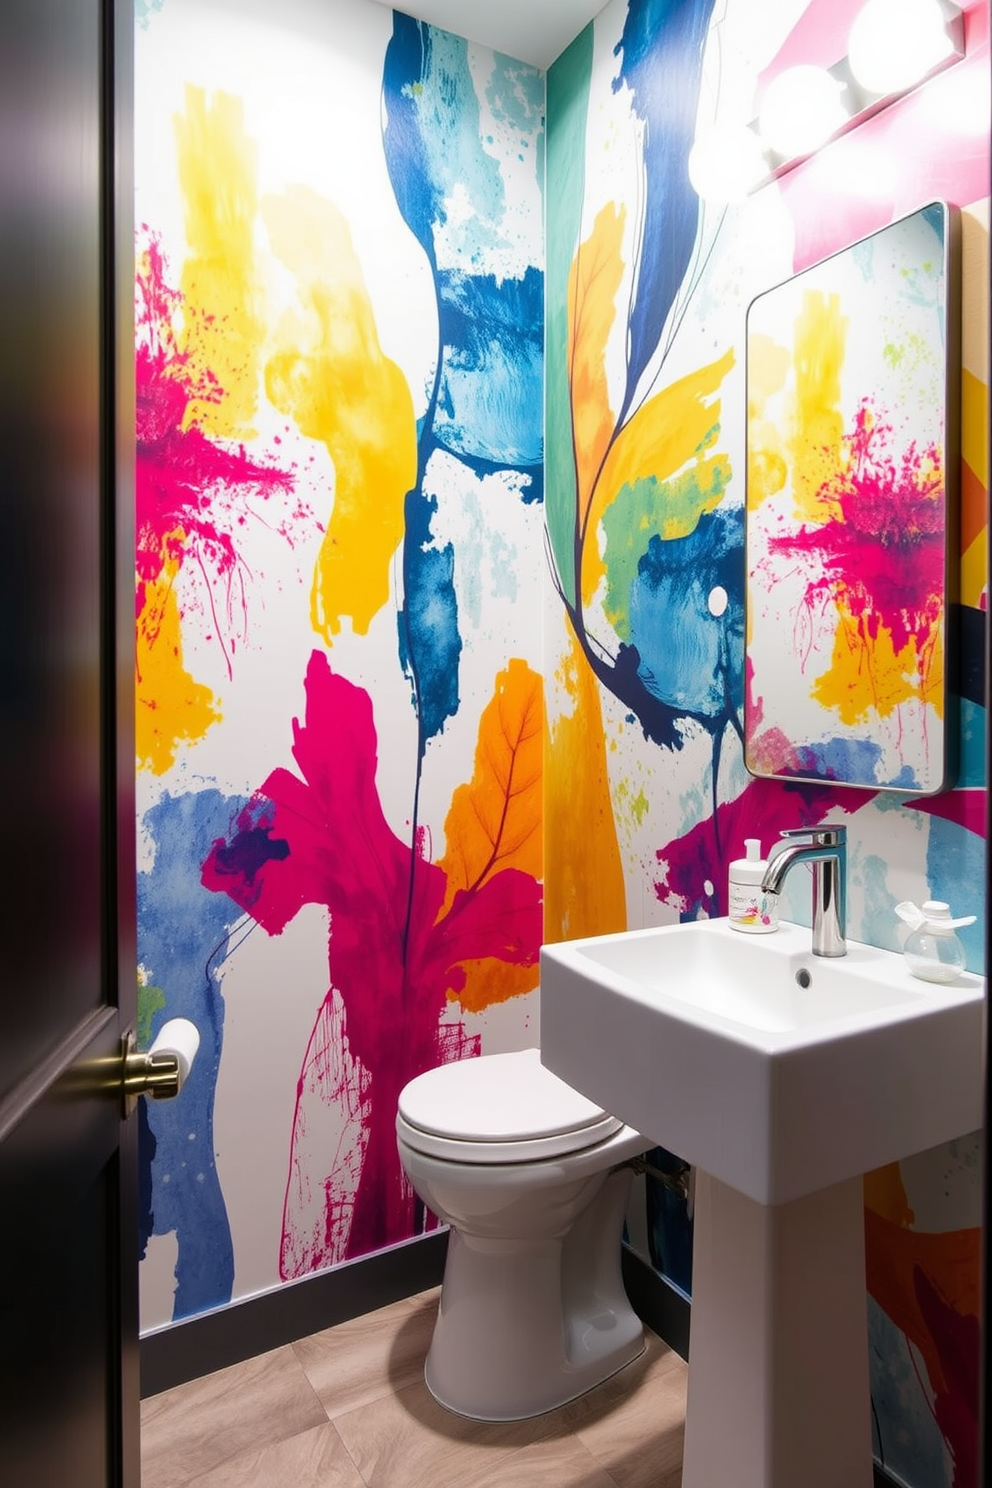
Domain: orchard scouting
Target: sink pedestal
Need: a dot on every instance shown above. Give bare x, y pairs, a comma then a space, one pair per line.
778, 1349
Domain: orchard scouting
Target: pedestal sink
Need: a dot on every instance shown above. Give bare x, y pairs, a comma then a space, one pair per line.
782, 1077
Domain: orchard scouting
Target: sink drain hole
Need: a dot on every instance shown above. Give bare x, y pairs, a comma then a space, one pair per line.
804, 978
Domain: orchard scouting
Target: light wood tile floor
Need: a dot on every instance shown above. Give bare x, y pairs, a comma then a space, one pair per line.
348, 1408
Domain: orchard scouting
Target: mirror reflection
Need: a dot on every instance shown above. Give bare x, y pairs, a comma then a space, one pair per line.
850, 502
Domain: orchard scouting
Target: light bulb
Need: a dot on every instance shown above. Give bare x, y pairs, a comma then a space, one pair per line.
801, 109
726, 162
895, 43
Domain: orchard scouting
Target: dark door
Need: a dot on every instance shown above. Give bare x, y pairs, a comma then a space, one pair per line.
68, 1267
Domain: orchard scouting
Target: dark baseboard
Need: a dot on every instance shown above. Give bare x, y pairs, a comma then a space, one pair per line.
187, 1350
658, 1304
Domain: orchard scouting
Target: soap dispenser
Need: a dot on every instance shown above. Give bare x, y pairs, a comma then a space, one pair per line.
749, 908
932, 950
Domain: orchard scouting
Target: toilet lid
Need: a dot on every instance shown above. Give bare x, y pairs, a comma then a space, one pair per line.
499, 1108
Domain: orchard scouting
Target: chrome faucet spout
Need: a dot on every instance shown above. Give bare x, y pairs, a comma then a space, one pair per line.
826, 848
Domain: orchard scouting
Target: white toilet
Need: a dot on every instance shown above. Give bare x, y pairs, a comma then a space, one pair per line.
532, 1179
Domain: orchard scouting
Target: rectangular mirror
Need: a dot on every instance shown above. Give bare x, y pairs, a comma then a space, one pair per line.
852, 478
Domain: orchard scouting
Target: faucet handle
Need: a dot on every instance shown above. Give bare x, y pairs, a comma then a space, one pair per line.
828, 834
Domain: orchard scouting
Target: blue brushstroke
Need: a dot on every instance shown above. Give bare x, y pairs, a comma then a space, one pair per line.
485, 406
428, 91
430, 643
841, 759
515, 94
956, 875
971, 764
406, 149
489, 403
691, 660
661, 57
905, 1435
182, 937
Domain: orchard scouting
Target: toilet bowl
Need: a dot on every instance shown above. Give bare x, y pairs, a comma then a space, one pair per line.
532, 1179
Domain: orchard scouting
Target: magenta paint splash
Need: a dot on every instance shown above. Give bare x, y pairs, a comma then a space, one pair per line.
695, 879
321, 837
882, 556
193, 495
966, 808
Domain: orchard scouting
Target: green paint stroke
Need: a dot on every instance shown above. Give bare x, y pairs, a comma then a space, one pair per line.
629, 808
150, 1001
671, 508
568, 107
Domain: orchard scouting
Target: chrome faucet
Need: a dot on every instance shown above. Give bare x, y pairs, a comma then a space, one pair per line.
826, 848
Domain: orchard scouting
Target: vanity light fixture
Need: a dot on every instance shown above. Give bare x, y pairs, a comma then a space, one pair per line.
893, 46
726, 162
802, 108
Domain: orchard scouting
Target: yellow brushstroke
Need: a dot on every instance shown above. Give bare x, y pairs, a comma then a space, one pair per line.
767, 457
223, 323
593, 282
670, 429
584, 887
816, 432
868, 676
975, 425
170, 707
330, 375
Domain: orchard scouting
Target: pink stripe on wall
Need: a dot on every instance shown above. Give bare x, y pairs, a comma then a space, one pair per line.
819, 38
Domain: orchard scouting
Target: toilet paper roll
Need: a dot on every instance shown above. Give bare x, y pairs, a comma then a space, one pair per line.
179, 1037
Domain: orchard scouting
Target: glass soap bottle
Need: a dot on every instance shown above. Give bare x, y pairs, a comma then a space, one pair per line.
933, 951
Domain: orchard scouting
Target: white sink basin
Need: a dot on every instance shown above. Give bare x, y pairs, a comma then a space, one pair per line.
704, 1039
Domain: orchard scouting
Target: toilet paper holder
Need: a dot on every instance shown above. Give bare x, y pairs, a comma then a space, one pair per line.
160, 1071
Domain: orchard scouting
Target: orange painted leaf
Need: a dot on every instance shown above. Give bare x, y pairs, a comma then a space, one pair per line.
494, 822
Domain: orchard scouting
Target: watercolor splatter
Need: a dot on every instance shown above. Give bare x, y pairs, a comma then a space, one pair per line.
930, 1283
847, 506
183, 936
406, 937
329, 374
192, 495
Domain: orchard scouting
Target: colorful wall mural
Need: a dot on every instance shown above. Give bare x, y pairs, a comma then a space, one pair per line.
349, 542
338, 573
648, 289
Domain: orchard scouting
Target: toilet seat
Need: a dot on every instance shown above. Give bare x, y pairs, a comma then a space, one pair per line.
499, 1108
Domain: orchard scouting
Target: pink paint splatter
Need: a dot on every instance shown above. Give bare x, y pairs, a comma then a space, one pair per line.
323, 839
882, 558
192, 494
